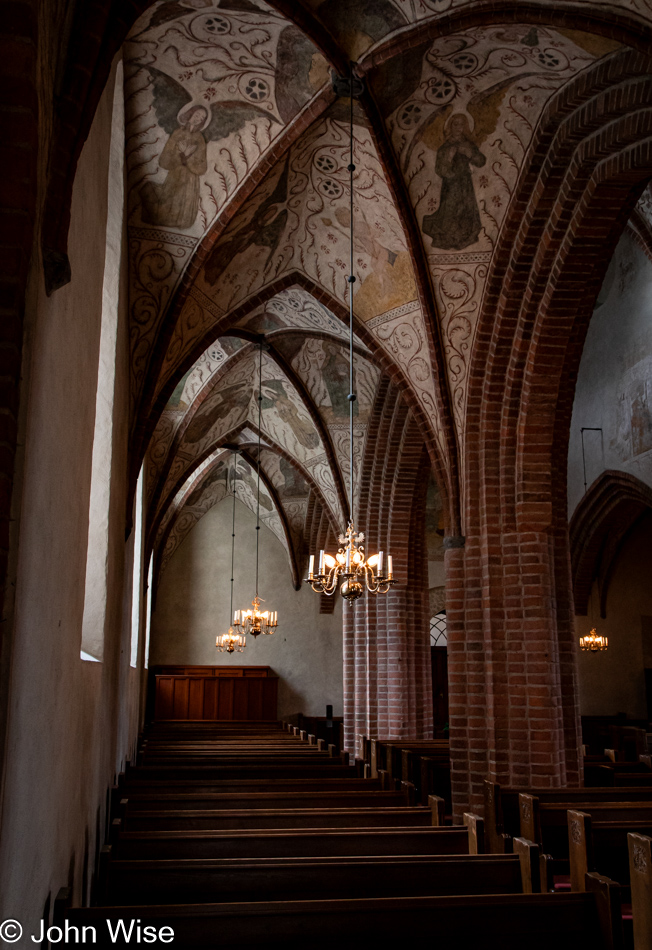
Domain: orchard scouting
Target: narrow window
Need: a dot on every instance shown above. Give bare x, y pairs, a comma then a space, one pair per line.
136, 590
97, 556
148, 615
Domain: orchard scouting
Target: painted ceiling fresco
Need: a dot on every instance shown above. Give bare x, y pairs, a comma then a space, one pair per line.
298, 221
461, 125
239, 219
209, 87
359, 25
208, 488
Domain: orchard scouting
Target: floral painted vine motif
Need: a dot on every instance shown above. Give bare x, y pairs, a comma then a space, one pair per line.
359, 25
461, 124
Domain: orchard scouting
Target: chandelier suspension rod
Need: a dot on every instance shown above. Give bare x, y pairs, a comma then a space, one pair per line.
260, 406
233, 537
351, 281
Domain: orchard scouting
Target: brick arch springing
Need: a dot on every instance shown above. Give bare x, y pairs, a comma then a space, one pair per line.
387, 677
606, 513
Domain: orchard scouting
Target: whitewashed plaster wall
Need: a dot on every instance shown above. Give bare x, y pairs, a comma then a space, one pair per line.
71, 723
614, 393
614, 383
614, 681
192, 607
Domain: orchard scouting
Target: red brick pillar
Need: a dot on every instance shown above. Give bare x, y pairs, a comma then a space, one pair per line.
387, 671
506, 665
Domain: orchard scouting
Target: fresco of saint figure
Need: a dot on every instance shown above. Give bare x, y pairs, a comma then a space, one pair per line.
456, 222
175, 202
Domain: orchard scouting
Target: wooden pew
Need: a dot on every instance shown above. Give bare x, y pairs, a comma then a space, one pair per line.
435, 779
494, 922
173, 845
546, 822
245, 819
617, 773
600, 846
502, 808
385, 754
138, 787
255, 800
212, 773
640, 876
163, 882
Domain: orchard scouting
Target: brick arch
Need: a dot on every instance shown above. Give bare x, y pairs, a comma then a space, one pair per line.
512, 652
572, 204
605, 515
387, 676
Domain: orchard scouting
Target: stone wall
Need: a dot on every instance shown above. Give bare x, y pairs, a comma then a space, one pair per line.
614, 383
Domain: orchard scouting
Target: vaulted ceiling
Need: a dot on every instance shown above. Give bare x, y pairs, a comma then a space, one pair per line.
237, 150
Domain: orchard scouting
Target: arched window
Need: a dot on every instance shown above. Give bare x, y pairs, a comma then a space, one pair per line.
438, 634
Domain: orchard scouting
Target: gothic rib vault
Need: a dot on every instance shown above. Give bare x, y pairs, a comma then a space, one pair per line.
239, 226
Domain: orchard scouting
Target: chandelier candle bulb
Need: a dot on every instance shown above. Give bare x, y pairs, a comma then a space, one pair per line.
381, 556
311, 567
320, 572
390, 566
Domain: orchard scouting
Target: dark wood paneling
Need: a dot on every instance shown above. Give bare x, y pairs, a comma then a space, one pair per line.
202, 693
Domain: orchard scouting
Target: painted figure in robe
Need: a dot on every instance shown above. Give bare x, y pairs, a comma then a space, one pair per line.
456, 222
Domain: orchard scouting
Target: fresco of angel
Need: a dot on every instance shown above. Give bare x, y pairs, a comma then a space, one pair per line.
174, 203
456, 223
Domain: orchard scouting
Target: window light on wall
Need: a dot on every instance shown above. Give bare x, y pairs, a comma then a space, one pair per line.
136, 590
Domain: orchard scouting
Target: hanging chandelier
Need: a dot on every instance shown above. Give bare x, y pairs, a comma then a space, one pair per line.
594, 642
349, 565
231, 641
257, 621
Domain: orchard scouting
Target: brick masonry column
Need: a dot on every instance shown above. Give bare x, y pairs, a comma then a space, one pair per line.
387, 669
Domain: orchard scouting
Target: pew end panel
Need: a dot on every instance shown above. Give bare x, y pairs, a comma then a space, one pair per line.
438, 808
497, 841
410, 793
475, 828
640, 875
546, 873
607, 895
580, 848
528, 854
530, 819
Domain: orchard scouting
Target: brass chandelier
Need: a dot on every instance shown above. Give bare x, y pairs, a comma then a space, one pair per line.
594, 642
231, 641
349, 565
256, 621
